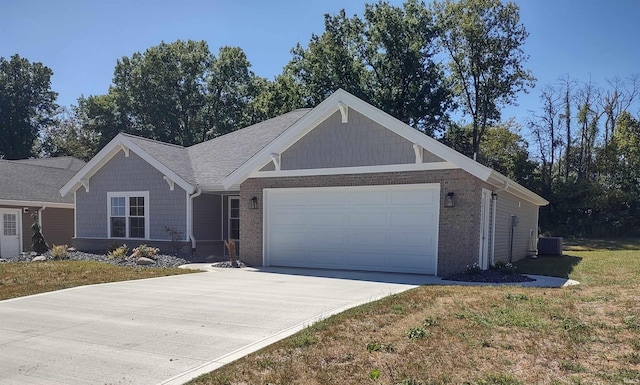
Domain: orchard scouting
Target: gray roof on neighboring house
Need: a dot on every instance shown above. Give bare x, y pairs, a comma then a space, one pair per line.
37, 180
208, 163
65, 162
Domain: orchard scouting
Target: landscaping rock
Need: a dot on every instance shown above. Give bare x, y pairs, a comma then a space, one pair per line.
2, 260
39, 258
71, 249
145, 261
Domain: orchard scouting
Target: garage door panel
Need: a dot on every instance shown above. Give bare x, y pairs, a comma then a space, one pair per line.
367, 240
331, 230
373, 260
369, 219
368, 198
409, 219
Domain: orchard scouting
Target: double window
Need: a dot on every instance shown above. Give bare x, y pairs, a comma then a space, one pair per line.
128, 214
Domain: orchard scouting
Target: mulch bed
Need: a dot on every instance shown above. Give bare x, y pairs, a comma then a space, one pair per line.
489, 276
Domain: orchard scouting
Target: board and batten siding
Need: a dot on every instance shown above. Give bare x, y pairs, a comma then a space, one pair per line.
524, 233
122, 174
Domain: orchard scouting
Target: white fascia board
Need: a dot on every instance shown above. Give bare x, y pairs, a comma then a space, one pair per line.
294, 133
357, 170
330, 106
108, 152
57, 205
516, 189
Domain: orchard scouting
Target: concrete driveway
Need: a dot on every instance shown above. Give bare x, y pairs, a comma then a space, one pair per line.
169, 330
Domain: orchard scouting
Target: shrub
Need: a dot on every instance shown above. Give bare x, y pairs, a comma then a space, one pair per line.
59, 251
507, 268
145, 251
473, 269
416, 333
119, 252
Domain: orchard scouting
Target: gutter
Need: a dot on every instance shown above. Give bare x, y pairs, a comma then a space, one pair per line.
196, 194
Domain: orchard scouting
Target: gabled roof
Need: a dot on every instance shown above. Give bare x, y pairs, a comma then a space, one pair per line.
203, 165
342, 101
224, 162
37, 181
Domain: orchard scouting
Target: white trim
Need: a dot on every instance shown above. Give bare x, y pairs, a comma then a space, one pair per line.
18, 213
189, 235
356, 170
127, 195
117, 144
276, 161
331, 105
124, 149
85, 184
54, 205
418, 150
230, 198
222, 217
344, 112
484, 259
75, 215
170, 182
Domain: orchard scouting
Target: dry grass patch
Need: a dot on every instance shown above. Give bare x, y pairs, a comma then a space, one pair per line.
589, 334
20, 279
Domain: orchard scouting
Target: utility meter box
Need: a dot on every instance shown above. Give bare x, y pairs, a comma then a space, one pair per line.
514, 221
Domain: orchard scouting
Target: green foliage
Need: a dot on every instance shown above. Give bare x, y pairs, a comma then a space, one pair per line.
59, 251
118, 252
387, 58
38, 243
145, 251
378, 346
484, 40
27, 105
416, 333
69, 136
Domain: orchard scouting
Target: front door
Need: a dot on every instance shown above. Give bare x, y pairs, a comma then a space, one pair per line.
485, 209
10, 228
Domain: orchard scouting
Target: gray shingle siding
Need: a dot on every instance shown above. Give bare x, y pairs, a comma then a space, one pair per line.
360, 142
122, 174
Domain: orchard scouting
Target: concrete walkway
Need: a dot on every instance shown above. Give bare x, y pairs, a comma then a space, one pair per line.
171, 329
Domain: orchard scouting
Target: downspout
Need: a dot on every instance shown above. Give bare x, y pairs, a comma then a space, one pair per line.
190, 222
40, 210
493, 223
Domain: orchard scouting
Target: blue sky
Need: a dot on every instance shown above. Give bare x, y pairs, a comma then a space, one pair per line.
80, 40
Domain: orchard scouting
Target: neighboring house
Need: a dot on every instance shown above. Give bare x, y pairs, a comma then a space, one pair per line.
341, 186
31, 186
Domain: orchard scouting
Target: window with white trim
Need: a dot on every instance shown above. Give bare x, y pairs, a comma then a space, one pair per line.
128, 214
234, 218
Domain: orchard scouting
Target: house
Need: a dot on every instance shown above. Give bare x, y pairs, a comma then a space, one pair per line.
30, 186
342, 186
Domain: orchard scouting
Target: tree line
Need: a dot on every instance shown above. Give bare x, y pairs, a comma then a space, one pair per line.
421, 63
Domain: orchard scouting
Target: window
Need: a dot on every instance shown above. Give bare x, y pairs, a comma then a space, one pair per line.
234, 218
10, 224
128, 214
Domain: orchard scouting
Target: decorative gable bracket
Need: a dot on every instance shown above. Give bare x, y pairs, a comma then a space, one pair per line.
418, 150
169, 182
344, 111
276, 161
85, 184
124, 149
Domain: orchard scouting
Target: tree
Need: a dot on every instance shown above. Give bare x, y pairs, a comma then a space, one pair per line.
483, 39
26, 105
177, 93
386, 58
69, 137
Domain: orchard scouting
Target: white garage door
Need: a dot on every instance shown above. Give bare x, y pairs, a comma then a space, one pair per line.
379, 228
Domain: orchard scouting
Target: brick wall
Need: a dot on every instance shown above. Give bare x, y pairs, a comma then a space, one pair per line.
458, 238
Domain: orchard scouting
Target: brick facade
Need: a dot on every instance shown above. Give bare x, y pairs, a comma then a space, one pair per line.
459, 230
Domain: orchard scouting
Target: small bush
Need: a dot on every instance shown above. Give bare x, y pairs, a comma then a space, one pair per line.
416, 333
474, 269
119, 252
145, 251
506, 268
59, 251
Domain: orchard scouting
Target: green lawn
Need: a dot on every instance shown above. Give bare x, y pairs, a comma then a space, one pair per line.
588, 334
